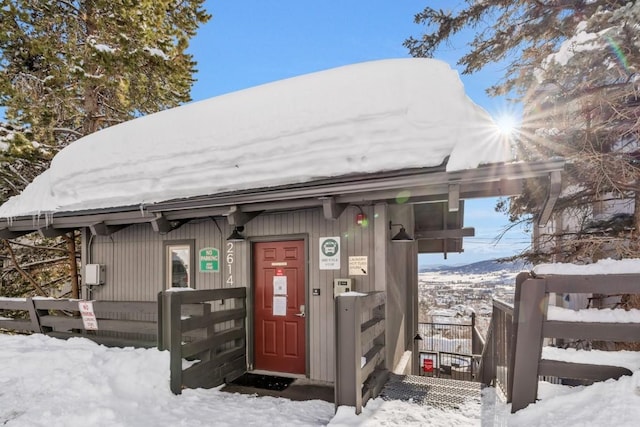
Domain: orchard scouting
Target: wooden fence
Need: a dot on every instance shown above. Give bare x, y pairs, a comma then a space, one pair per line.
213, 337
495, 363
360, 348
120, 323
530, 313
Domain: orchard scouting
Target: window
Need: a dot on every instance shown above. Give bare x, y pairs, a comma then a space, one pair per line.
179, 264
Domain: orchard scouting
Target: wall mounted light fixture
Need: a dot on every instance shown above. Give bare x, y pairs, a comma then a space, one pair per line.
402, 235
235, 235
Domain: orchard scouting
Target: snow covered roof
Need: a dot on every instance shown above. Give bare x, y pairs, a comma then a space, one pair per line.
365, 118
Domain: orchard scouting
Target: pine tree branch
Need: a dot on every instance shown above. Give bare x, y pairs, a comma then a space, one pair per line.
23, 273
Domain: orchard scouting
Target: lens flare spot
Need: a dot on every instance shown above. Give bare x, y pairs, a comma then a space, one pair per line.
403, 197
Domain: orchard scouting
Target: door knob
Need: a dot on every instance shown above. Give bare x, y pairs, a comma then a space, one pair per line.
301, 314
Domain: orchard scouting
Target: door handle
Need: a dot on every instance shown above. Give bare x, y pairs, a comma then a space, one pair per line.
301, 314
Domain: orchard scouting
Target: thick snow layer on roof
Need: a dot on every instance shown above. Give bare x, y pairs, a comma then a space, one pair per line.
363, 118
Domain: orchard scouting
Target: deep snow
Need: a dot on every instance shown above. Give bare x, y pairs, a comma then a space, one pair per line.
49, 382
364, 118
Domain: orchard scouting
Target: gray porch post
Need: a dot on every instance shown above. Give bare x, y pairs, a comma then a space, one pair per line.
533, 306
348, 353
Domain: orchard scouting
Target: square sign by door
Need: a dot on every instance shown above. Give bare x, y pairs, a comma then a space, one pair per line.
209, 260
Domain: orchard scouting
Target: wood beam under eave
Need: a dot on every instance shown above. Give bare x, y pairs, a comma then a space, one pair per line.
50, 232
555, 187
445, 234
238, 218
454, 197
102, 229
331, 209
160, 224
5, 233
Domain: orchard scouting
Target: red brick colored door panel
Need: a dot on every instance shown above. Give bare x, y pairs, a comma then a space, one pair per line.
279, 338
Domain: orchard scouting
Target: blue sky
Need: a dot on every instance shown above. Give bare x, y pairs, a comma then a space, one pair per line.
251, 42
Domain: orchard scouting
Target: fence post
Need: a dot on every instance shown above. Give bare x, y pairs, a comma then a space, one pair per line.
34, 316
174, 327
348, 352
513, 330
531, 310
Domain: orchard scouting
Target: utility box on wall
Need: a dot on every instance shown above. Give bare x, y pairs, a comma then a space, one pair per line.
342, 285
94, 274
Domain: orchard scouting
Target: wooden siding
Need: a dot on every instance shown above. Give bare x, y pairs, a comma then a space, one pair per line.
134, 263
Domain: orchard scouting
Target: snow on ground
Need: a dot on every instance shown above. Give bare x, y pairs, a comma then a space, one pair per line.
363, 118
604, 266
49, 382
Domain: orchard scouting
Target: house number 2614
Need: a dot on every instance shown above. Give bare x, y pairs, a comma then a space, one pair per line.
230, 254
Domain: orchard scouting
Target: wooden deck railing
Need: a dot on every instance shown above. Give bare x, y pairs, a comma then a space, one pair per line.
533, 326
360, 348
215, 339
120, 323
495, 367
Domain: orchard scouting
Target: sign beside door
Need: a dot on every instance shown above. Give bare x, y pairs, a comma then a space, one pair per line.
209, 260
329, 253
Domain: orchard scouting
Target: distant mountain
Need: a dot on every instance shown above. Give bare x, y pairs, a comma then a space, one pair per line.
480, 267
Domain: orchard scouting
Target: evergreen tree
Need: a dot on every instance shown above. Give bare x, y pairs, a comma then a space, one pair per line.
70, 68
573, 66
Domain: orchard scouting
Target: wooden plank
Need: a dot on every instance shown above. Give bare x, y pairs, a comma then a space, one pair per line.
61, 322
16, 325
175, 341
212, 342
212, 295
374, 356
133, 307
597, 283
13, 304
348, 380
533, 303
128, 326
627, 332
586, 371
210, 319
371, 329
56, 304
34, 316
373, 299
202, 369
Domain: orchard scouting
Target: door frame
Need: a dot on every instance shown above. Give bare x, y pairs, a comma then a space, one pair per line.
304, 237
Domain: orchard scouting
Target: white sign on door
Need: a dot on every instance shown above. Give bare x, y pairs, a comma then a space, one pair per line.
329, 253
279, 305
280, 285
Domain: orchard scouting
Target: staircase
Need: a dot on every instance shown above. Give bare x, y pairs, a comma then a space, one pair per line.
431, 391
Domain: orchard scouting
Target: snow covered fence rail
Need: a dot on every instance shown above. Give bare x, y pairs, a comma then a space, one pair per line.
360, 348
533, 324
215, 339
116, 323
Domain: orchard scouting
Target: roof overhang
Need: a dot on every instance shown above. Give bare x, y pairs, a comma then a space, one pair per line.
414, 186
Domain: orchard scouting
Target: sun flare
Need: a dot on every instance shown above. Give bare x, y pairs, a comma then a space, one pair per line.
507, 124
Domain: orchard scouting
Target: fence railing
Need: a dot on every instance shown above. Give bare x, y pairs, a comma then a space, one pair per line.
447, 337
495, 363
360, 348
533, 326
120, 323
214, 338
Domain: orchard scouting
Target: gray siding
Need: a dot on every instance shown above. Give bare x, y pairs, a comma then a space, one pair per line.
134, 261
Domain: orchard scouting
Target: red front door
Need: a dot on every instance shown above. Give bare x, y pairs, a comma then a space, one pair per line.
279, 301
